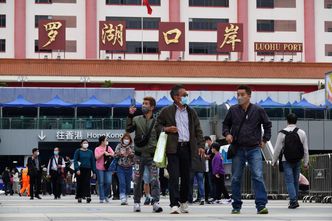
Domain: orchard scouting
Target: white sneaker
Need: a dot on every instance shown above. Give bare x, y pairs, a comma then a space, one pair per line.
107, 200
184, 207
227, 201
101, 201
157, 208
137, 207
175, 210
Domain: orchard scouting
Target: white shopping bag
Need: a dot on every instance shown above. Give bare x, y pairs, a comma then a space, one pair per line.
160, 153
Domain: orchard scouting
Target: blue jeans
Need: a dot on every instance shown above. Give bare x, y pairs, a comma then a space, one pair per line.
124, 175
104, 178
200, 183
292, 173
254, 158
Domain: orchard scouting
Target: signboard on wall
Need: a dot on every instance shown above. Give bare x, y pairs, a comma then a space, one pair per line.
278, 47
52, 35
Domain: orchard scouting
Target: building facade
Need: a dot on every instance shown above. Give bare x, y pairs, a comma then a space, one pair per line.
301, 21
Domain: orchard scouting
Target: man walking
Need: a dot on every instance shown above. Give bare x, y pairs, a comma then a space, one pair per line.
242, 129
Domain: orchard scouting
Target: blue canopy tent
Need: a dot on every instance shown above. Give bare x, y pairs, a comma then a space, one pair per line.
273, 109
126, 103
200, 102
20, 101
93, 102
163, 102
56, 102
200, 105
269, 103
232, 101
306, 109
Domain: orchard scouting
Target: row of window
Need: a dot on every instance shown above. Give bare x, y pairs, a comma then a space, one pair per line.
194, 23
151, 47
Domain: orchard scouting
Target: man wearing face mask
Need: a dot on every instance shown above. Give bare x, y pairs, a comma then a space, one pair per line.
34, 171
144, 148
184, 143
55, 170
242, 128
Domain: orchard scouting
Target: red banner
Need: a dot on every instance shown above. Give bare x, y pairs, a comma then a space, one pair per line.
230, 37
52, 35
172, 36
112, 35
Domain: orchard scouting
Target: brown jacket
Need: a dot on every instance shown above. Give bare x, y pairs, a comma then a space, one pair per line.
167, 119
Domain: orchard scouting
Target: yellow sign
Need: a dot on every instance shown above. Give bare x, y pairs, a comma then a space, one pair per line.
175, 40
231, 36
52, 29
112, 33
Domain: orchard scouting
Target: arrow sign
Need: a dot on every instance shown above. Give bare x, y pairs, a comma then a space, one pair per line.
41, 135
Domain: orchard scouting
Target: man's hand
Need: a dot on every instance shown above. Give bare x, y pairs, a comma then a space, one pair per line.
229, 139
78, 173
132, 110
262, 144
171, 129
201, 152
217, 175
306, 167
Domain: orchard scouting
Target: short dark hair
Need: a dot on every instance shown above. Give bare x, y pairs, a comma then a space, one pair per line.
83, 141
244, 87
151, 100
215, 146
175, 90
206, 138
34, 149
291, 118
101, 139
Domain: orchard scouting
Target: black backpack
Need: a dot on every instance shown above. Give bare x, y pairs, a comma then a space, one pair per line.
293, 149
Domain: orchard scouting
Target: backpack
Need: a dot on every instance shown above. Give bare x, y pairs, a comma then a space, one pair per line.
293, 149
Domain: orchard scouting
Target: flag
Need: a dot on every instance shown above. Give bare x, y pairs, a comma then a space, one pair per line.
148, 7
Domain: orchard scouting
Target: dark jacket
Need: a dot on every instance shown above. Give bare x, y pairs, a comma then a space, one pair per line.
251, 131
33, 169
167, 119
140, 125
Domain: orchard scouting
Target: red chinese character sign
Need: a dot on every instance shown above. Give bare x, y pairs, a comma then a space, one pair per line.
171, 36
52, 35
112, 35
230, 37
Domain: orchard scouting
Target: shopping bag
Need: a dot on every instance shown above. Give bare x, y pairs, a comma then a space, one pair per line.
160, 152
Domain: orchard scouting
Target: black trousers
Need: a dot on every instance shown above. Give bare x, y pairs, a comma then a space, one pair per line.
115, 186
220, 187
179, 166
56, 183
35, 183
207, 186
83, 183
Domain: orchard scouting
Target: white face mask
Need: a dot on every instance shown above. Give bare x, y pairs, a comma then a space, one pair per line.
206, 145
126, 142
85, 145
106, 143
37, 153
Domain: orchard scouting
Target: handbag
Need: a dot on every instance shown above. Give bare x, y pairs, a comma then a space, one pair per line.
107, 160
114, 165
144, 139
160, 152
232, 149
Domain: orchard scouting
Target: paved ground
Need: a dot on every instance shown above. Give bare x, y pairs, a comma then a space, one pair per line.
66, 209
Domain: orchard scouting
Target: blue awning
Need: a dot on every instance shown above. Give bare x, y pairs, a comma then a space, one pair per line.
269, 103
306, 105
232, 101
199, 102
93, 102
20, 101
163, 102
56, 102
126, 103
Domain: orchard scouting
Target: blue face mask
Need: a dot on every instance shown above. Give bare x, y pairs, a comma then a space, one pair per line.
184, 100
56, 152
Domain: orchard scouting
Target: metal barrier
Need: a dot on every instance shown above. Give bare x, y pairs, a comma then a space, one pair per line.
320, 178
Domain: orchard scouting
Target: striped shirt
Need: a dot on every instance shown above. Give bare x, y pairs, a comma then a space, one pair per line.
182, 124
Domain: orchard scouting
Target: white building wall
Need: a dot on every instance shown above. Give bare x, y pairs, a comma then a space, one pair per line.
8, 32
255, 14
56, 9
322, 37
